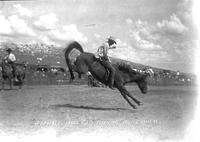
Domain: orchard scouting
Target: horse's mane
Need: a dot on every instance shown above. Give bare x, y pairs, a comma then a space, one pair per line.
125, 67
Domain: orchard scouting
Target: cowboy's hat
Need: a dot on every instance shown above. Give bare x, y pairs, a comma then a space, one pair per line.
111, 39
9, 50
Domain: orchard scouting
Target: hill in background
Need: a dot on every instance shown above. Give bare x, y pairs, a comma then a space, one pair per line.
49, 55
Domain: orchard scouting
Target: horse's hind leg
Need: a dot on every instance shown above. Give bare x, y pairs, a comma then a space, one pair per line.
70, 68
71, 76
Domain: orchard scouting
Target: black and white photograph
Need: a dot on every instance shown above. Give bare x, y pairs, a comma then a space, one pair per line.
99, 70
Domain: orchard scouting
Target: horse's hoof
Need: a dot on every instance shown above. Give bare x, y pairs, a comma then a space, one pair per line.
140, 103
134, 107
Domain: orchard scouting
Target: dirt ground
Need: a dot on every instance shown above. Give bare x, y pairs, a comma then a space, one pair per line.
70, 109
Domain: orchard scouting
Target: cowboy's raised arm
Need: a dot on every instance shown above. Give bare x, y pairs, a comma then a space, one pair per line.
112, 46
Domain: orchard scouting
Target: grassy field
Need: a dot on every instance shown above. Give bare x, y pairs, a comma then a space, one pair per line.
71, 109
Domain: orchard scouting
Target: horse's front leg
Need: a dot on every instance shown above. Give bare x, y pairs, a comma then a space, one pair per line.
123, 92
126, 98
20, 84
134, 99
2, 86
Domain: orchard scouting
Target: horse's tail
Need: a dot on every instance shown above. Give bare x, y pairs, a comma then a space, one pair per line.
73, 45
70, 47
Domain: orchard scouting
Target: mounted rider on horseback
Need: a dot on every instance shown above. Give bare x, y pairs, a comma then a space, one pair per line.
11, 59
102, 54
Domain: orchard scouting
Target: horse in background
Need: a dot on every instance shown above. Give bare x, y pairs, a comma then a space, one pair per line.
84, 62
7, 74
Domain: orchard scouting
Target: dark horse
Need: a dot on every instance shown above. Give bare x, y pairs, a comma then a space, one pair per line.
84, 62
8, 75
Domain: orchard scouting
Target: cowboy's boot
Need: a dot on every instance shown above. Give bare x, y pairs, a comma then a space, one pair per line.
111, 83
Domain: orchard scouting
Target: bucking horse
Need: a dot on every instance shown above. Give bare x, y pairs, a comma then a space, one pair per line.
81, 62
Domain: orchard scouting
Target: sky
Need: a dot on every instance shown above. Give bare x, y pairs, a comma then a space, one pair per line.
158, 33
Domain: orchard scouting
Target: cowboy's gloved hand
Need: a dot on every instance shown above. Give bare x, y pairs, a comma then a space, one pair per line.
112, 46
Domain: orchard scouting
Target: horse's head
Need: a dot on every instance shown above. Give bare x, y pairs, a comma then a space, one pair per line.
6, 67
142, 80
4, 62
142, 84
